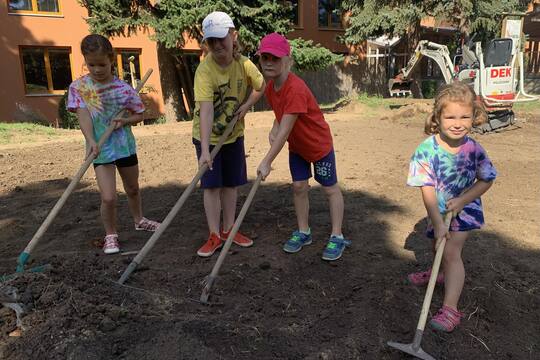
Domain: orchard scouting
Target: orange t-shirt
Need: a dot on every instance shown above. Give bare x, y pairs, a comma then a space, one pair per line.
310, 136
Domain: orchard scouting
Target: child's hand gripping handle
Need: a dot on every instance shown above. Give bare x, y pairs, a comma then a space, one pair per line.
25, 255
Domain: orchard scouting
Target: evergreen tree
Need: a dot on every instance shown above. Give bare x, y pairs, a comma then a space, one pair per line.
371, 18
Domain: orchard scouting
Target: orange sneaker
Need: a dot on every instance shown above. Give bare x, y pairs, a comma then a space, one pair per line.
212, 244
239, 239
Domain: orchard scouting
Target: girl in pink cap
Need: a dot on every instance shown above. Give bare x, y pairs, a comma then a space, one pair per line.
299, 121
222, 82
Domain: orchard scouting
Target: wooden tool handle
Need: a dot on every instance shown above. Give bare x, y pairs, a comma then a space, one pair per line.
60, 203
433, 277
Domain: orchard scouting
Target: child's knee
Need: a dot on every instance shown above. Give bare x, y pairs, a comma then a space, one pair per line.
300, 187
108, 199
332, 190
132, 191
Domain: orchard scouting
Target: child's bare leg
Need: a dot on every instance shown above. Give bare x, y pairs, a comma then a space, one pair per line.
212, 208
106, 179
301, 204
454, 270
335, 199
130, 179
229, 197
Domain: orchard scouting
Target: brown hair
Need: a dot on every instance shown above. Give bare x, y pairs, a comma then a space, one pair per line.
455, 92
95, 43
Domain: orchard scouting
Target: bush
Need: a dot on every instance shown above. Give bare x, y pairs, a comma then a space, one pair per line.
68, 120
429, 88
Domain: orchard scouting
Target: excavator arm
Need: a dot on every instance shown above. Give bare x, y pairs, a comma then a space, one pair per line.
400, 85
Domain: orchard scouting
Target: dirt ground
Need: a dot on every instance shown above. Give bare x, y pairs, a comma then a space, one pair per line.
268, 304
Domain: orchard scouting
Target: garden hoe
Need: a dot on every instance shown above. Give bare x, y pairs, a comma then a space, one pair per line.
25, 255
414, 347
215, 270
170, 216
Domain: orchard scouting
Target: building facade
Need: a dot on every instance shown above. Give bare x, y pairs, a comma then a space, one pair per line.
41, 55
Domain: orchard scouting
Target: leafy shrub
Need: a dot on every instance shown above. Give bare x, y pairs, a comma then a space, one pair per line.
68, 120
310, 57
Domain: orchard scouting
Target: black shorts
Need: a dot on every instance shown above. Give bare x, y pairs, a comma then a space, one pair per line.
122, 162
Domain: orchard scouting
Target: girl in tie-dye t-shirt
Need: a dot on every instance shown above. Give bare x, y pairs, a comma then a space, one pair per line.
97, 98
453, 171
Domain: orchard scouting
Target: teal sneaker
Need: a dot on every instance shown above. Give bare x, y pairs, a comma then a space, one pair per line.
334, 248
295, 243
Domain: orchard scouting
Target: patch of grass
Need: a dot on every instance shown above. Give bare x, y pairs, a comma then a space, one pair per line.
8, 131
372, 101
531, 106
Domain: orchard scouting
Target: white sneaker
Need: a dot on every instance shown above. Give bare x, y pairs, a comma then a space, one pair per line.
110, 246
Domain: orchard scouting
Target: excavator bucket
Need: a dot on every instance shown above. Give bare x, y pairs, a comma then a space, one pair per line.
397, 87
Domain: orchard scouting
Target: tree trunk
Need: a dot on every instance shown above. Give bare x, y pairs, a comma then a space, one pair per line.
171, 86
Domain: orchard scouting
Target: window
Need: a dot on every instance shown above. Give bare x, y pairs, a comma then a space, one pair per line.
34, 6
295, 8
330, 14
129, 65
46, 70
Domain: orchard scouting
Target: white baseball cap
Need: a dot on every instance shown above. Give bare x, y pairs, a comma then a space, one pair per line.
216, 25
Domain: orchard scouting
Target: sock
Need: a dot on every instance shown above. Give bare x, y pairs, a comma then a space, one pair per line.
340, 236
308, 232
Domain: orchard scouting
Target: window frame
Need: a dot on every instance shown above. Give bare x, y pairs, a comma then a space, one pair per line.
48, 70
35, 10
328, 25
119, 68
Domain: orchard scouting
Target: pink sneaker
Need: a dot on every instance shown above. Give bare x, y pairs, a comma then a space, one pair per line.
147, 225
446, 319
422, 278
110, 244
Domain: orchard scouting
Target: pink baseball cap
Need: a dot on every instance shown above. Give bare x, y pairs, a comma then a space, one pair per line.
275, 44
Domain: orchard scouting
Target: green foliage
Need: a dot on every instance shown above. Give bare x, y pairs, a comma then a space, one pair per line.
309, 57
68, 120
170, 18
371, 101
371, 18
429, 88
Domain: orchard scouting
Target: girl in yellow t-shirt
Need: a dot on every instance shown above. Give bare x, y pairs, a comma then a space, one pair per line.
222, 81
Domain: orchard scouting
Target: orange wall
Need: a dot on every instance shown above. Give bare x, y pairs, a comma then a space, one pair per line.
66, 30
309, 28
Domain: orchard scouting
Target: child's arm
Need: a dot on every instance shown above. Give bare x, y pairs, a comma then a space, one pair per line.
285, 127
252, 99
273, 133
430, 202
207, 118
478, 189
130, 119
87, 129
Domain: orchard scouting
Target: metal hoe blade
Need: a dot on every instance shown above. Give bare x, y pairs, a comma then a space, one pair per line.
413, 348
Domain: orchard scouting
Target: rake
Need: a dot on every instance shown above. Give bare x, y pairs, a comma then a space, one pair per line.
25, 255
209, 281
414, 348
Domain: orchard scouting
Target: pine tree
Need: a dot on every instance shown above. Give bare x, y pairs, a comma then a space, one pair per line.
371, 18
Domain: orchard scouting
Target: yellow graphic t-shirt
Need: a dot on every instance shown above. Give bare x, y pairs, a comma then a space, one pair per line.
226, 88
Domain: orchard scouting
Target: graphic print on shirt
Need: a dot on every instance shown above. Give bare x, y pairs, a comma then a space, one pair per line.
224, 108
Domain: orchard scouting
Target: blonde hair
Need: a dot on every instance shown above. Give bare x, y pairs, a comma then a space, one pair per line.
458, 92
237, 47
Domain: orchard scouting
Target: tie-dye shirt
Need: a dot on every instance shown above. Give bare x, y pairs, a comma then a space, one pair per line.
451, 174
103, 102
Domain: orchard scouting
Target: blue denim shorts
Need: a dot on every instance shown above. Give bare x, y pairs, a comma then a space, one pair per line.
325, 168
229, 165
